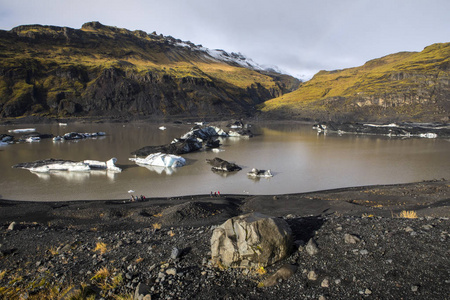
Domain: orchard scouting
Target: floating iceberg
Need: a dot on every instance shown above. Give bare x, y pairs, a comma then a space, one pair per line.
160, 160
32, 139
204, 133
78, 136
162, 128
259, 173
429, 135
219, 164
24, 130
191, 141
51, 165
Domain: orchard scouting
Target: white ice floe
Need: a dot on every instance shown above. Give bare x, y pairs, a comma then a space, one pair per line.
160, 160
162, 128
24, 130
69, 166
33, 139
103, 165
428, 135
382, 125
62, 124
83, 166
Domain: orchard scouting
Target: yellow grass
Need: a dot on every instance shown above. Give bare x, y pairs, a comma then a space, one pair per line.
101, 247
2, 274
101, 274
408, 214
156, 226
53, 251
140, 259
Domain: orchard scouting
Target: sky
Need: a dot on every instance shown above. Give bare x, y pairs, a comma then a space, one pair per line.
300, 37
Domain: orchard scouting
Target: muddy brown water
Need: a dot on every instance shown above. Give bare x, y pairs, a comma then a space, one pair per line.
299, 158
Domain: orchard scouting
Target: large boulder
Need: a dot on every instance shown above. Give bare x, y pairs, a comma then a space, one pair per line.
251, 240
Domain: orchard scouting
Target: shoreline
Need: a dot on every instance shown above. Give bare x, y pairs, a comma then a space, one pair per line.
427, 198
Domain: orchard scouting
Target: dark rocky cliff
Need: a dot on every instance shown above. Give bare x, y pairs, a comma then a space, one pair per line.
107, 71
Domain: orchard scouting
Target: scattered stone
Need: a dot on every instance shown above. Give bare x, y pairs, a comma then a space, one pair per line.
364, 252
325, 283
367, 292
12, 226
409, 229
322, 297
283, 273
171, 271
175, 253
312, 275
414, 288
142, 291
311, 247
427, 227
351, 239
253, 239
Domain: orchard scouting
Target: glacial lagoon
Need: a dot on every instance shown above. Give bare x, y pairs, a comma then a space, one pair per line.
300, 159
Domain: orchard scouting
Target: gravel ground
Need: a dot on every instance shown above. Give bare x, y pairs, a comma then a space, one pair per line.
105, 249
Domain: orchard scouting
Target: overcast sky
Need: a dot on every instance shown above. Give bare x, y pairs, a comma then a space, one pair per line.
301, 37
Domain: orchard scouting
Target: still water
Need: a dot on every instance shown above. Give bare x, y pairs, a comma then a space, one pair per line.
299, 158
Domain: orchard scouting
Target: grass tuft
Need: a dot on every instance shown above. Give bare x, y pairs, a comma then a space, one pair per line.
101, 247
408, 214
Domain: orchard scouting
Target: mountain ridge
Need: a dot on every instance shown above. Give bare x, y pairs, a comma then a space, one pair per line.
103, 70
404, 86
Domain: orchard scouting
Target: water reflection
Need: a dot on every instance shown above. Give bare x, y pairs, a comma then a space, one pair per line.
76, 176
159, 170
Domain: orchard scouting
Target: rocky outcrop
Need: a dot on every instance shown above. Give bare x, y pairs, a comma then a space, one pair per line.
251, 240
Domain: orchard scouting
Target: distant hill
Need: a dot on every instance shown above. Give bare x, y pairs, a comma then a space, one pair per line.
101, 70
406, 86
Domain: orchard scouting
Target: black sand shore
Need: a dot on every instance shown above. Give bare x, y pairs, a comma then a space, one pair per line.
53, 247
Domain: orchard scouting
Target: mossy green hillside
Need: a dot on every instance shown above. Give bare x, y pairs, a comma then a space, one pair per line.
407, 83
72, 65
